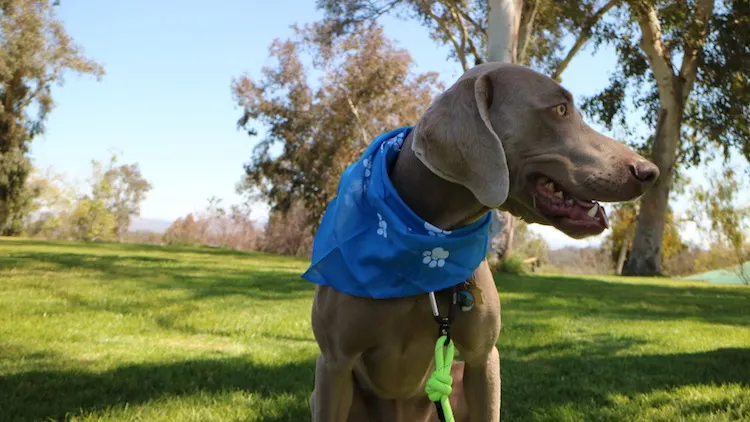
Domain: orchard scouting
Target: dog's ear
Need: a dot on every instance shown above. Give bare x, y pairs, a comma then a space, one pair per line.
456, 141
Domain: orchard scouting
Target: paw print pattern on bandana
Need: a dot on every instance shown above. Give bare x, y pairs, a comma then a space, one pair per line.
434, 231
368, 172
435, 258
353, 192
382, 227
368, 166
397, 141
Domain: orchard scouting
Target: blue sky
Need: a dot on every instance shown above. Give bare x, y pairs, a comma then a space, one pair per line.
165, 101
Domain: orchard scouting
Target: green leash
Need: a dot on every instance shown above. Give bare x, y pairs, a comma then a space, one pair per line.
440, 383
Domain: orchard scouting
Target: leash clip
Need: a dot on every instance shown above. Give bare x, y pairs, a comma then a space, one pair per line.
444, 322
443, 407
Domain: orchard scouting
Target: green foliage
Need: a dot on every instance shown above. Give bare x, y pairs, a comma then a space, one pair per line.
684, 67
716, 116
186, 334
35, 52
462, 26
722, 113
90, 220
511, 265
728, 222
121, 188
58, 211
623, 222
50, 209
527, 243
367, 85
15, 198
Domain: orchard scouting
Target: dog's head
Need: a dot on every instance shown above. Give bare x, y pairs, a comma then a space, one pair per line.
515, 139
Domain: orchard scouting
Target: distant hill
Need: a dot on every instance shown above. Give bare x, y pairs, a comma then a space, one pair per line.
154, 225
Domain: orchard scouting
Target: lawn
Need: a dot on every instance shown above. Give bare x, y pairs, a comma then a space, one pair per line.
105, 332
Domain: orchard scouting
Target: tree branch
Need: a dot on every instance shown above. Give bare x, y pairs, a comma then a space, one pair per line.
365, 136
473, 23
526, 28
460, 15
653, 45
461, 26
478, 58
385, 9
427, 9
694, 42
583, 37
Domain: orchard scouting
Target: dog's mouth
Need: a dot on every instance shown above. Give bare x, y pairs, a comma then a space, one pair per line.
574, 216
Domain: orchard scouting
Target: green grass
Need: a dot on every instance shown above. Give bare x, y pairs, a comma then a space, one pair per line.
105, 332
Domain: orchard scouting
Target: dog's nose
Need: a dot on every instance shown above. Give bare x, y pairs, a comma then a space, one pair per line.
644, 171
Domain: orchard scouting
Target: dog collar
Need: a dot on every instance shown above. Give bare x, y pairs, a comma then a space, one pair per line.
371, 244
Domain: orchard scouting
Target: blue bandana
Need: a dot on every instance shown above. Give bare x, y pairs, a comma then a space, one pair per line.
371, 244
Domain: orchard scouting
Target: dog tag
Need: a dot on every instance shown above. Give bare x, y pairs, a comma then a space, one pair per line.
477, 293
465, 300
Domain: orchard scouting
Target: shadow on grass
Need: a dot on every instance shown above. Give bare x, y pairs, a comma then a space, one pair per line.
583, 381
56, 395
589, 381
203, 281
555, 296
130, 247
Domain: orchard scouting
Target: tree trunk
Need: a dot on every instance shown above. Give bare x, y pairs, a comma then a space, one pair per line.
645, 256
502, 44
623, 254
502, 32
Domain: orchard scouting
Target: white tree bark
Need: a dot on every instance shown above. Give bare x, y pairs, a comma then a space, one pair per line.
502, 46
502, 33
674, 90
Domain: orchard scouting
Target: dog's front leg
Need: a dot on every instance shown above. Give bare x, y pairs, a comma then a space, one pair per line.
334, 386
482, 387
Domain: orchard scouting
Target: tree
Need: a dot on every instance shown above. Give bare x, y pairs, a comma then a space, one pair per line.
528, 243
91, 220
289, 233
528, 32
116, 195
216, 226
366, 85
51, 206
515, 31
185, 231
620, 239
685, 65
728, 222
122, 189
35, 52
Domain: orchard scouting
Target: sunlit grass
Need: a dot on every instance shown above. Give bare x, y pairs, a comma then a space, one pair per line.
106, 332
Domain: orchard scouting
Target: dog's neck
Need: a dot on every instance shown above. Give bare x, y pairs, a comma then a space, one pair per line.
444, 204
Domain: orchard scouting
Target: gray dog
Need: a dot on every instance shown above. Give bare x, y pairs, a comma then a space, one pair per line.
502, 137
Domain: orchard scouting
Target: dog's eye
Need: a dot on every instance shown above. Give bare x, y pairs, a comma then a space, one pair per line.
561, 110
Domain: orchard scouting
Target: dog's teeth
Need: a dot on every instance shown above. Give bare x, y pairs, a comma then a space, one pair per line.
592, 212
559, 194
569, 201
606, 220
550, 186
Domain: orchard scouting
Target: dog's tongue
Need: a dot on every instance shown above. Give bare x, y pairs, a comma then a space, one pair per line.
586, 210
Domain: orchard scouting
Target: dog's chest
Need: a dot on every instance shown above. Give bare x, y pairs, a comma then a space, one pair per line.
397, 368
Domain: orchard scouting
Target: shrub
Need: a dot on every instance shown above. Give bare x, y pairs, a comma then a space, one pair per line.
289, 233
511, 265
